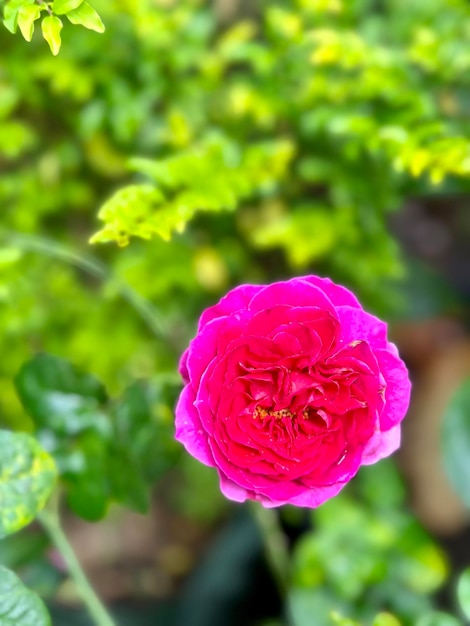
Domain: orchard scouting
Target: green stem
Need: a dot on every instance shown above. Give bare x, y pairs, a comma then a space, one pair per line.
48, 247
49, 518
275, 544
48, 8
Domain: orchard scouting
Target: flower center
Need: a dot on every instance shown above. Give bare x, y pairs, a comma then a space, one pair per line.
263, 413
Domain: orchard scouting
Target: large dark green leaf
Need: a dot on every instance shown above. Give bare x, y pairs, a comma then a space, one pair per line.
456, 441
27, 477
68, 407
61, 398
18, 605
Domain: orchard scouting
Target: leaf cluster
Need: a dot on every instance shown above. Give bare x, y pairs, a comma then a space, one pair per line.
23, 14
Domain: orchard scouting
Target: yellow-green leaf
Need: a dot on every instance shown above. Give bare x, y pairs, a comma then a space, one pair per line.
27, 15
27, 477
51, 27
11, 13
86, 16
61, 7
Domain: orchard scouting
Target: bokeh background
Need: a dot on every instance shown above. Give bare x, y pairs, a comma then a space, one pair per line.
203, 144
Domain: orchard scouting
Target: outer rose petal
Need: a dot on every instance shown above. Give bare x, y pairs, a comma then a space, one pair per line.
358, 325
315, 496
382, 445
183, 366
235, 300
211, 341
296, 292
398, 390
340, 296
309, 498
189, 430
231, 490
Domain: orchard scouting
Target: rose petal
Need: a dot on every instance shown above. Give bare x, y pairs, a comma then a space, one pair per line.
383, 444
237, 299
315, 496
295, 292
231, 490
357, 325
398, 388
339, 296
212, 341
189, 430
183, 366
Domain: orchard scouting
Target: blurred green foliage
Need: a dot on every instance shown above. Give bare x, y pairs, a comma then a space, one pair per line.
455, 441
93, 439
366, 553
245, 149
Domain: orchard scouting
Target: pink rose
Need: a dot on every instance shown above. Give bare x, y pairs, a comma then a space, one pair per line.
290, 388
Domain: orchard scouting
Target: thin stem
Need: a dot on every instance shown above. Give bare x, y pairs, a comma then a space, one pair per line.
275, 544
49, 518
48, 8
92, 266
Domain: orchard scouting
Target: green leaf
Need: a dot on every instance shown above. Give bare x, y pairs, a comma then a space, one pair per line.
10, 17
456, 441
60, 7
51, 27
61, 398
27, 477
463, 592
136, 445
27, 15
18, 605
88, 491
86, 16
128, 486
23, 548
11, 13
144, 429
